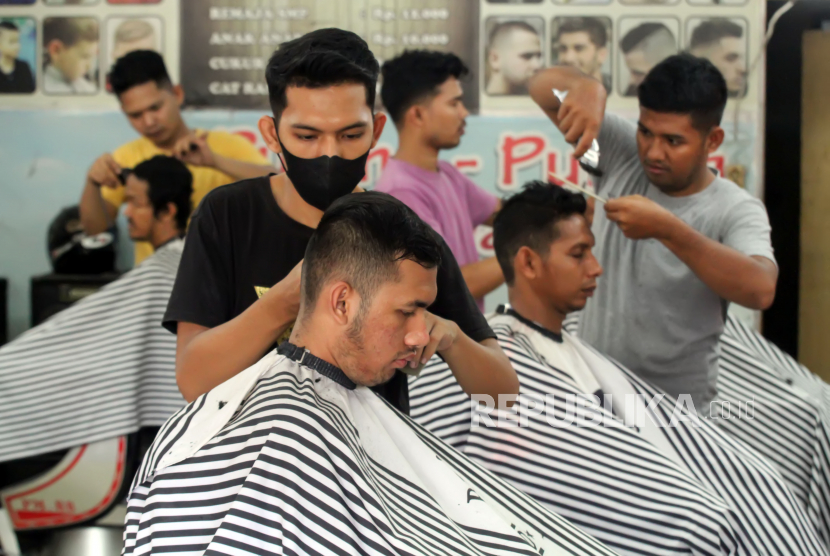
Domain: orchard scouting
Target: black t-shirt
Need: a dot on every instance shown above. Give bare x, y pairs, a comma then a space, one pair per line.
20, 80
240, 243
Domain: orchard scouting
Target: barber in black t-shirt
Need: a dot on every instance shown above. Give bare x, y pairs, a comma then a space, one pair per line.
248, 236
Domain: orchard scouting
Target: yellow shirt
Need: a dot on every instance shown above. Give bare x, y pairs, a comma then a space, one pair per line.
204, 179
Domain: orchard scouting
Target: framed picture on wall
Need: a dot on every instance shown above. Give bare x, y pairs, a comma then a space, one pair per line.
512, 53
584, 43
70, 55
722, 41
18, 55
644, 42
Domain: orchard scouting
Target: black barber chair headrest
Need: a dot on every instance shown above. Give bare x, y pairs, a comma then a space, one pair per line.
71, 251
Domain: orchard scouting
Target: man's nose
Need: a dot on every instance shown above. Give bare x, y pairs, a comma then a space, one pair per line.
596, 268
418, 335
328, 146
655, 151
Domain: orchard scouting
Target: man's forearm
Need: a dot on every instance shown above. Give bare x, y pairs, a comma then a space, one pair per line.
239, 170
217, 354
562, 78
483, 276
481, 368
732, 275
93, 209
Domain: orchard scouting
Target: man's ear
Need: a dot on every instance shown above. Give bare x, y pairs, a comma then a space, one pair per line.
377, 130
602, 54
527, 263
343, 303
493, 60
178, 92
715, 139
54, 48
268, 130
167, 214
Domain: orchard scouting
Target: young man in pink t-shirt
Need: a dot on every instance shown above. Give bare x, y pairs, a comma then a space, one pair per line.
422, 92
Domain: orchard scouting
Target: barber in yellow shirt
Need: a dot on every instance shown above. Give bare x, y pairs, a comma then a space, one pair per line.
152, 105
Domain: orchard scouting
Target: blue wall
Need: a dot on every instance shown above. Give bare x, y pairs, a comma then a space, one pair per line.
44, 157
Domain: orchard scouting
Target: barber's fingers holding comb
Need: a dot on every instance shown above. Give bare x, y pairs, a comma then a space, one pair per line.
194, 150
105, 171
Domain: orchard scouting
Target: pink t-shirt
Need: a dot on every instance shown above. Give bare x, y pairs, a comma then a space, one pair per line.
447, 200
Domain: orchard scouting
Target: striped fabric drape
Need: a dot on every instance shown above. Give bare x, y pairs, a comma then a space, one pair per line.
282, 460
102, 368
612, 482
791, 415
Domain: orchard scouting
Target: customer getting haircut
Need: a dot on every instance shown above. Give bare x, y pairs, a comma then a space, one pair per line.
684, 84
530, 218
321, 58
414, 77
360, 240
137, 68
168, 181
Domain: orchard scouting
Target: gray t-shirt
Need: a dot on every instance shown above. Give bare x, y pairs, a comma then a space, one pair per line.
650, 311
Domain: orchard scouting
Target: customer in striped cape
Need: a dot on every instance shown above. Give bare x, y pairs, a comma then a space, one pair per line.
296, 455
103, 367
594, 442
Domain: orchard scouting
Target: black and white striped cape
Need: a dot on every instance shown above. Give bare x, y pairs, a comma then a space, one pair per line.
281, 459
612, 482
791, 415
102, 368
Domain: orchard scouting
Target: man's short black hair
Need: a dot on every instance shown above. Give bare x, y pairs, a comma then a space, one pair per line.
713, 30
529, 219
592, 26
321, 58
168, 181
8, 26
638, 34
685, 84
415, 76
137, 68
360, 240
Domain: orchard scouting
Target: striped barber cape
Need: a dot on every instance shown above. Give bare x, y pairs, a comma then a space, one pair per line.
637, 487
286, 458
102, 368
790, 409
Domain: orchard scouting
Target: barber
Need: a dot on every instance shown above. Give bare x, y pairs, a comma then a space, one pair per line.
678, 244
237, 291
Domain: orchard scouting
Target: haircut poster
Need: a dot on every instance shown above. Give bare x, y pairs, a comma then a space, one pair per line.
227, 46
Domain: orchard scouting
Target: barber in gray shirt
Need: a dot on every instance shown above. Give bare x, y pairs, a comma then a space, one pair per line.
677, 243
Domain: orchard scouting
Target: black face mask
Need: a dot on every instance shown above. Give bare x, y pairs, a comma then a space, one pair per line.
321, 181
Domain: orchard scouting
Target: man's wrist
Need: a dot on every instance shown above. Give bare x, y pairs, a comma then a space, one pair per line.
278, 311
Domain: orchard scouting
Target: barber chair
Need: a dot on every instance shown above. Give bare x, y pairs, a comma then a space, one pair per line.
71, 502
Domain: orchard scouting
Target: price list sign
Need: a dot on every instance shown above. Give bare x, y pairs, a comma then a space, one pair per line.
226, 44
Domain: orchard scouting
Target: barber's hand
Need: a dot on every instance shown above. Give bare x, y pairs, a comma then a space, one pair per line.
580, 115
442, 335
286, 293
639, 217
104, 172
194, 150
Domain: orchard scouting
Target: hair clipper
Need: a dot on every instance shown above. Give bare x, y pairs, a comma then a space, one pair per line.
590, 160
